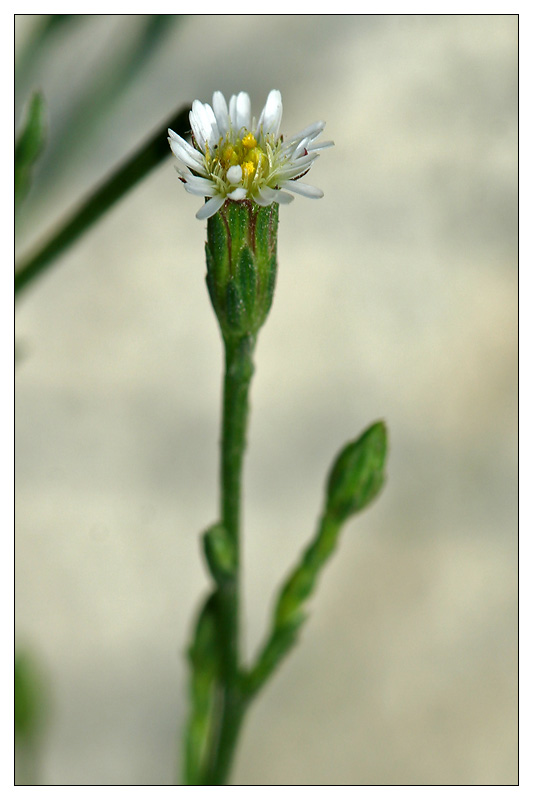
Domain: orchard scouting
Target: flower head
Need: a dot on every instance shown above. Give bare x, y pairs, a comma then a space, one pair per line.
233, 157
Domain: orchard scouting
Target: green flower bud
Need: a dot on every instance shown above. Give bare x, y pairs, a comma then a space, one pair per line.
358, 473
241, 254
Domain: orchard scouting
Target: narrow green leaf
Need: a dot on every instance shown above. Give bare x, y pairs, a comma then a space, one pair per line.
29, 146
102, 199
204, 660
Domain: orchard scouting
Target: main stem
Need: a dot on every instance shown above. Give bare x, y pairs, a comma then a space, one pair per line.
238, 375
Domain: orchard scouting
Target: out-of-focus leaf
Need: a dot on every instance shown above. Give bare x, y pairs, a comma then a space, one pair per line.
101, 92
38, 39
204, 659
116, 186
32, 711
29, 146
30, 698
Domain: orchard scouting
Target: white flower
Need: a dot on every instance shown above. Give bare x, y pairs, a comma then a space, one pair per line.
233, 157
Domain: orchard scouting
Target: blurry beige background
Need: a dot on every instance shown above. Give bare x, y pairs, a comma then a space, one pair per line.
396, 299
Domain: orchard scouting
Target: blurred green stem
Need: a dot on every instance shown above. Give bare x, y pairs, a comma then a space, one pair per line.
118, 184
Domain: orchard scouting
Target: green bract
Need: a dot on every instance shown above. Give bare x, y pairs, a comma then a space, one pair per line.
241, 255
220, 553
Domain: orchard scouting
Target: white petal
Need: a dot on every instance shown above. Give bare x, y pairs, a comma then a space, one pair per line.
200, 186
204, 124
265, 196
310, 133
220, 109
198, 192
284, 198
303, 188
306, 145
186, 153
233, 110
181, 169
242, 111
300, 148
270, 118
313, 148
211, 207
298, 167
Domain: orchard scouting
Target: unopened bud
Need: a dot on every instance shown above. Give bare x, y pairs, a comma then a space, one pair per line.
241, 253
358, 473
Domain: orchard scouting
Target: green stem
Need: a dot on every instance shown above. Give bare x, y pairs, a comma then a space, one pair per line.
231, 706
289, 613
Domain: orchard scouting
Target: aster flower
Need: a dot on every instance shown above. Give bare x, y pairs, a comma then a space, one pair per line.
233, 157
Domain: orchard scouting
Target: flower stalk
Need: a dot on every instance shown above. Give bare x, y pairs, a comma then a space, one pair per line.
244, 169
241, 256
238, 375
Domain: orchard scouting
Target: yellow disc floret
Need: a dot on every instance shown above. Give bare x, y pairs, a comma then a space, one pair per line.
248, 169
228, 153
249, 141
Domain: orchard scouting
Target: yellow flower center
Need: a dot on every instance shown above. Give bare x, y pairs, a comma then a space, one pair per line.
244, 152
